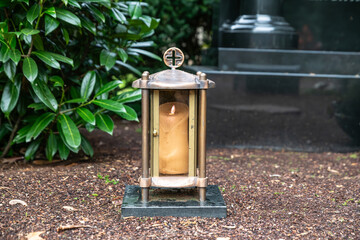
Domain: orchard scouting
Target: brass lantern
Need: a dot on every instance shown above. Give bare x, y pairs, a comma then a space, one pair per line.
173, 127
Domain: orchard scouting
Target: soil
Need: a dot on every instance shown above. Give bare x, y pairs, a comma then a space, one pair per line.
269, 194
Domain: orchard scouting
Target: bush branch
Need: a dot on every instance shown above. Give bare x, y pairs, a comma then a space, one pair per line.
12, 135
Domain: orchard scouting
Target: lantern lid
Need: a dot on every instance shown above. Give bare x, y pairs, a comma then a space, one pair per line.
173, 78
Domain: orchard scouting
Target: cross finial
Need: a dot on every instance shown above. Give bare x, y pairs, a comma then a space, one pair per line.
173, 57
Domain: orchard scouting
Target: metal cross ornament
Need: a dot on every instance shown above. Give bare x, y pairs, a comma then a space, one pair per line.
173, 57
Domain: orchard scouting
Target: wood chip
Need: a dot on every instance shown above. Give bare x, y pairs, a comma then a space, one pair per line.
157, 225
275, 175
35, 235
69, 208
229, 227
45, 162
69, 227
16, 201
332, 170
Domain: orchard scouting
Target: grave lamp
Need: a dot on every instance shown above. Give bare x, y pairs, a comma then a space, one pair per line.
173, 139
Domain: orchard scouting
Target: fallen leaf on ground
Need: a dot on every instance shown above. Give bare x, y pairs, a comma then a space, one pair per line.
69, 227
223, 238
16, 201
69, 208
35, 235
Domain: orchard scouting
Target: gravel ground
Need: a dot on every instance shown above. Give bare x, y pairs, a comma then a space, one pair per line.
269, 194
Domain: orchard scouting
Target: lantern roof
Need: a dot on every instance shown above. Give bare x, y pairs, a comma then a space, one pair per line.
173, 78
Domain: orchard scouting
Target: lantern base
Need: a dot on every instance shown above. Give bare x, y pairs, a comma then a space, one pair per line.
176, 205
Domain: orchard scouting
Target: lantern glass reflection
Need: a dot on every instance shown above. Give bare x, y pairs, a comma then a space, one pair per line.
174, 132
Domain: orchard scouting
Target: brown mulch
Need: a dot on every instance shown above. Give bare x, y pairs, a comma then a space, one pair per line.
269, 194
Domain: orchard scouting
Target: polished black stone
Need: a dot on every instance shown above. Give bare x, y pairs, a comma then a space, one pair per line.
169, 202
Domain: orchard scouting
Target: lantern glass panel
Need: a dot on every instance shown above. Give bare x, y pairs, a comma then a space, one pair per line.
174, 132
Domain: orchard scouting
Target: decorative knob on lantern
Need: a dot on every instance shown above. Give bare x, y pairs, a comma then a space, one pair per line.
173, 57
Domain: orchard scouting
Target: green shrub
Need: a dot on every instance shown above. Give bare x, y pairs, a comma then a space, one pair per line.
58, 62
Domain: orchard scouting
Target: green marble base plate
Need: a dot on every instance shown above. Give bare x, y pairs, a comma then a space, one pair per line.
173, 202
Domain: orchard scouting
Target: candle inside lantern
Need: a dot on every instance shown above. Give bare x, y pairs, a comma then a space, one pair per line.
174, 138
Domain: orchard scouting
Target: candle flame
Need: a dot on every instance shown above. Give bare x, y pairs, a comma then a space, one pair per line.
172, 111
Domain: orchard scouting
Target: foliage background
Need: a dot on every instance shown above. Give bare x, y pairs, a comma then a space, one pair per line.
60, 63
186, 24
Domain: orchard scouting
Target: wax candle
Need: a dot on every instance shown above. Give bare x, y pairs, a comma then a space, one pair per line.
174, 138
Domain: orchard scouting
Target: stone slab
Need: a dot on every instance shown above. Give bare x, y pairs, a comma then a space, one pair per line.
173, 204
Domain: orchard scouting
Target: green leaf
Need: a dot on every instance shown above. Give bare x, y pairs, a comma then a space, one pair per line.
86, 115
97, 13
86, 146
33, 13
50, 24
62, 58
146, 53
75, 100
37, 106
110, 105
119, 16
131, 68
47, 58
40, 124
4, 53
29, 31
143, 44
95, 1
65, 2
58, 81
25, 1
123, 55
51, 146
89, 127
38, 43
63, 150
10, 69
135, 11
74, 4
65, 35
51, 12
75, 150
107, 59
70, 131
128, 97
87, 85
30, 69
10, 96
88, 25
105, 123
147, 20
68, 17
27, 39
44, 94
21, 134
15, 55
31, 150
130, 114
108, 87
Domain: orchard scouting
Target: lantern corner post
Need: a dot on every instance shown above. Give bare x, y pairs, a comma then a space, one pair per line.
202, 139
145, 123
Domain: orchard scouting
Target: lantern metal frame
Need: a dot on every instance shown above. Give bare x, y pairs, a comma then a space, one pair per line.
151, 86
